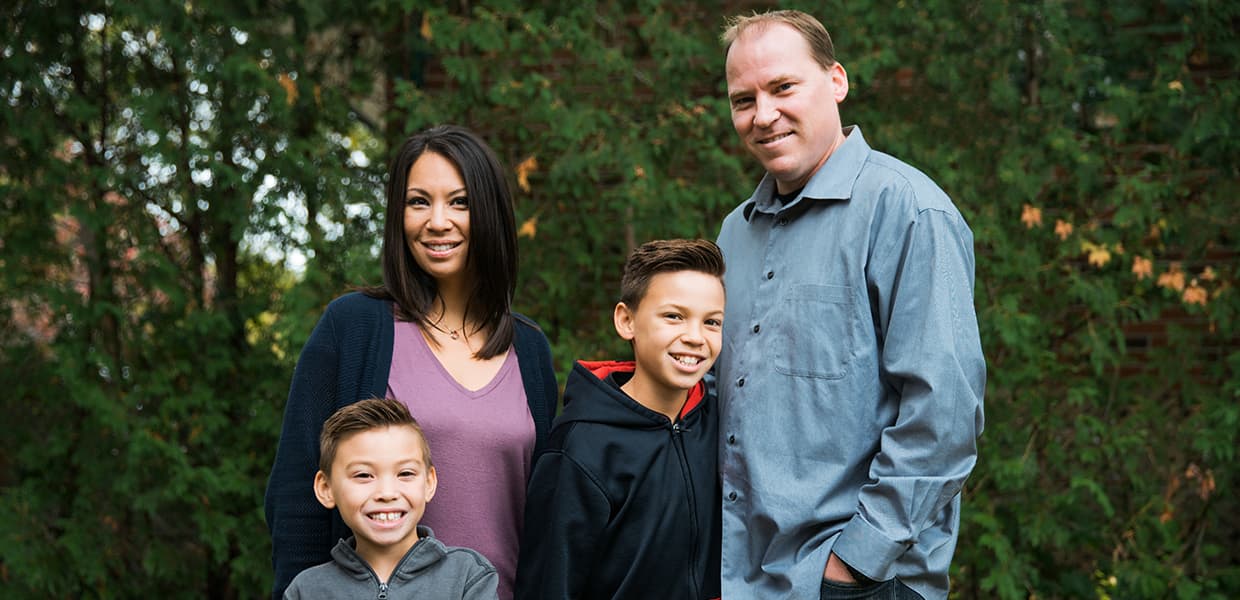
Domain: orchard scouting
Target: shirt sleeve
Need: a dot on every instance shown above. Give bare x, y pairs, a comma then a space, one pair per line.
921, 290
301, 528
566, 513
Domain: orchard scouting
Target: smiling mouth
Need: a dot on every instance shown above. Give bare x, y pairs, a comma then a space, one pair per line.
386, 517
441, 246
686, 360
773, 139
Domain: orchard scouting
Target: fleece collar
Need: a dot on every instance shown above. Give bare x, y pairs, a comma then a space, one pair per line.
603, 369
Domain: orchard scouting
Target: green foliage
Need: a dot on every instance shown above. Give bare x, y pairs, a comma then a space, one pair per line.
153, 320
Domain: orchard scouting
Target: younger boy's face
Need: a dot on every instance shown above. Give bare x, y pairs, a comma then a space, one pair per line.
380, 483
676, 330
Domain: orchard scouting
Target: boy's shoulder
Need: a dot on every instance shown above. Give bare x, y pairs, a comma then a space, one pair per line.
431, 552
437, 570
328, 580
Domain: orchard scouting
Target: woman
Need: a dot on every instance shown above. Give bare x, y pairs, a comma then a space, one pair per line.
438, 335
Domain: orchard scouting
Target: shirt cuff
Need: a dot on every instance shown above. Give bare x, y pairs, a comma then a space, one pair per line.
867, 551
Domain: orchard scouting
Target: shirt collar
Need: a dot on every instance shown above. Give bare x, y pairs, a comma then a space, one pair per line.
833, 181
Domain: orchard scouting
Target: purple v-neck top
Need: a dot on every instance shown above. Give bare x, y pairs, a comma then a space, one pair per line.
481, 443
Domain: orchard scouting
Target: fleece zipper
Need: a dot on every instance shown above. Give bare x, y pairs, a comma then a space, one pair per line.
678, 442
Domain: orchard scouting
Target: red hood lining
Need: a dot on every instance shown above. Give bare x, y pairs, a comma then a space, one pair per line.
603, 368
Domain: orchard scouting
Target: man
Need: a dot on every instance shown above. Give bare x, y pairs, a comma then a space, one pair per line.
852, 374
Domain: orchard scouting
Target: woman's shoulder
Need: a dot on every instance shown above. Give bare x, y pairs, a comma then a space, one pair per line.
521, 320
357, 302
357, 309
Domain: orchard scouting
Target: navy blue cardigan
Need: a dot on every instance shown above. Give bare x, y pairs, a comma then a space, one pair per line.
348, 358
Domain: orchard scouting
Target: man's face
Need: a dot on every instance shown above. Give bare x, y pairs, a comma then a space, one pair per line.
785, 106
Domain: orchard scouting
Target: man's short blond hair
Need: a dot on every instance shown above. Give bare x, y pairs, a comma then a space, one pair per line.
820, 45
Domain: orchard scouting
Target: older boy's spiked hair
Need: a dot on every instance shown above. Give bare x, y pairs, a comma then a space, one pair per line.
666, 256
365, 415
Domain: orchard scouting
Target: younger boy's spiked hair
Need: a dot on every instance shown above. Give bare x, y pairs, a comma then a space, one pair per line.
667, 256
365, 415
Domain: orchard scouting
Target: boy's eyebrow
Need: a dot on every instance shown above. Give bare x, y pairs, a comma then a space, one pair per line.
681, 308
365, 462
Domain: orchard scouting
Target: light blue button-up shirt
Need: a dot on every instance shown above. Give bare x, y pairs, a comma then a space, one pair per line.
851, 379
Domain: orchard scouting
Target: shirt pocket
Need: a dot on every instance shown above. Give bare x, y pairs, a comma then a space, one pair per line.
815, 337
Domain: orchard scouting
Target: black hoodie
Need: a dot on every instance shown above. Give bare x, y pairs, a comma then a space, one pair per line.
624, 503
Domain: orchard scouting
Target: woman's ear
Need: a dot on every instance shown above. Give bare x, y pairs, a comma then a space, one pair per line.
623, 318
323, 490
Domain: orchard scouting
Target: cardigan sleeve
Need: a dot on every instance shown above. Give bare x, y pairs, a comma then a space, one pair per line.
538, 378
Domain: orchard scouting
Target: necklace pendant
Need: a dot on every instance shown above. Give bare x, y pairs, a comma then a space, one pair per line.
453, 334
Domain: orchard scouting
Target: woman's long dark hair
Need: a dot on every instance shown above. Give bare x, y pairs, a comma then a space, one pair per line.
492, 259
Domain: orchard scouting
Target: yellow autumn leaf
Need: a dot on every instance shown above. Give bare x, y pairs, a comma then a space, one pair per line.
1063, 229
1031, 216
1099, 256
1176, 86
290, 88
1173, 279
1142, 267
1207, 274
425, 30
524, 169
639, 172
1195, 294
529, 228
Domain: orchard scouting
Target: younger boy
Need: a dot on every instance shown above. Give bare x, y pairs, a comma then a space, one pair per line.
375, 468
625, 503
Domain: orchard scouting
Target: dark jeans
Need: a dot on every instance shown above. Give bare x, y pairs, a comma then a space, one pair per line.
891, 589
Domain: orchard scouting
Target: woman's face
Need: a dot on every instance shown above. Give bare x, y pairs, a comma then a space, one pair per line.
437, 217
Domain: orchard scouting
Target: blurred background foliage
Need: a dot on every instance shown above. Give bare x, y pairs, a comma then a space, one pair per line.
184, 186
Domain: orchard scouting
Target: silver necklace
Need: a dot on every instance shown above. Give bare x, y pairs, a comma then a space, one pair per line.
454, 334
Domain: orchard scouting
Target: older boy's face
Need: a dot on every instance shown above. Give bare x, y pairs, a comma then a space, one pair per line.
380, 484
676, 330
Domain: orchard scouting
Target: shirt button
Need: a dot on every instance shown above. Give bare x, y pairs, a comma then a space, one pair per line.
740, 382
770, 274
731, 439
731, 495
757, 328
782, 222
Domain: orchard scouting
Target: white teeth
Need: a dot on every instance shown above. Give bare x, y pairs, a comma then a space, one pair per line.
774, 139
441, 247
386, 516
688, 361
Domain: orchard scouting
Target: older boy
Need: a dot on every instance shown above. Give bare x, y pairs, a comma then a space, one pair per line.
625, 503
375, 468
